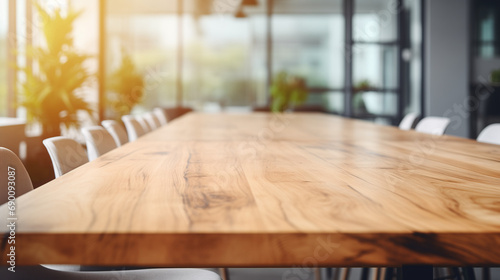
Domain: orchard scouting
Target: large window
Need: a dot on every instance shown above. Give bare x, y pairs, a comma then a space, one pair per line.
412, 67
149, 39
486, 28
359, 58
224, 59
375, 44
308, 41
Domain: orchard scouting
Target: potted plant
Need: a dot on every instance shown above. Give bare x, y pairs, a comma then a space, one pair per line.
495, 77
125, 88
50, 93
358, 103
287, 92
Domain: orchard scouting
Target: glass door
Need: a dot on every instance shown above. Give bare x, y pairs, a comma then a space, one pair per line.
376, 90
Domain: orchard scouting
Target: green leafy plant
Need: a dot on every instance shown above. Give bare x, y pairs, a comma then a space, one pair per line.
126, 88
358, 102
287, 91
50, 91
495, 76
363, 85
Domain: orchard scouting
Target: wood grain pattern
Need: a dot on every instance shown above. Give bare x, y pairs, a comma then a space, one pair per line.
267, 190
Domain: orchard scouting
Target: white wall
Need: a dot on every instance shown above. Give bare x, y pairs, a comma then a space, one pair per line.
447, 62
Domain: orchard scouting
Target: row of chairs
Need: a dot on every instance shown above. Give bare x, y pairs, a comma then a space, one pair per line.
429, 125
67, 154
438, 125
139, 125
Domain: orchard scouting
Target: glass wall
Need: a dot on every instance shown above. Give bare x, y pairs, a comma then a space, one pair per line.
412, 57
224, 58
4, 20
375, 43
486, 22
141, 57
308, 41
213, 55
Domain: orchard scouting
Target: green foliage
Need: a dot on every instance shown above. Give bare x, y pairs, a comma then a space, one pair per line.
495, 76
287, 92
50, 93
363, 85
126, 87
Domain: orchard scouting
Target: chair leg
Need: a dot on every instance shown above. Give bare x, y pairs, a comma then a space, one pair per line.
374, 273
468, 273
456, 273
389, 273
344, 273
336, 273
437, 272
224, 273
365, 273
317, 273
449, 272
328, 272
377, 273
383, 270
485, 273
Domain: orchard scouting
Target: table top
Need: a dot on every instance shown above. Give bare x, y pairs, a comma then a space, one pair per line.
259, 189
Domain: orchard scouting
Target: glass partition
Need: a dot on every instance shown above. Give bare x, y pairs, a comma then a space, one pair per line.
224, 58
141, 58
486, 22
216, 55
308, 41
376, 52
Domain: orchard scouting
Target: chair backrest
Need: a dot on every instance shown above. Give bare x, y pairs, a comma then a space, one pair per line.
14, 180
117, 131
144, 123
99, 141
134, 128
152, 120
490, 134
433, 125
160, 114
66, 154
408, 121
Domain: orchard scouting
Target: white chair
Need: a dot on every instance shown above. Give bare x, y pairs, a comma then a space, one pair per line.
117, 131
162, 117
144, 123
152, 120
433, 125
490, 134
54, 272
99, 141
49, 273
408, 121
66, 154
9, 160
134, 128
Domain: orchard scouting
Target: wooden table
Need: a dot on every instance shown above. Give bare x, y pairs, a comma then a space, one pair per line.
265, 190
